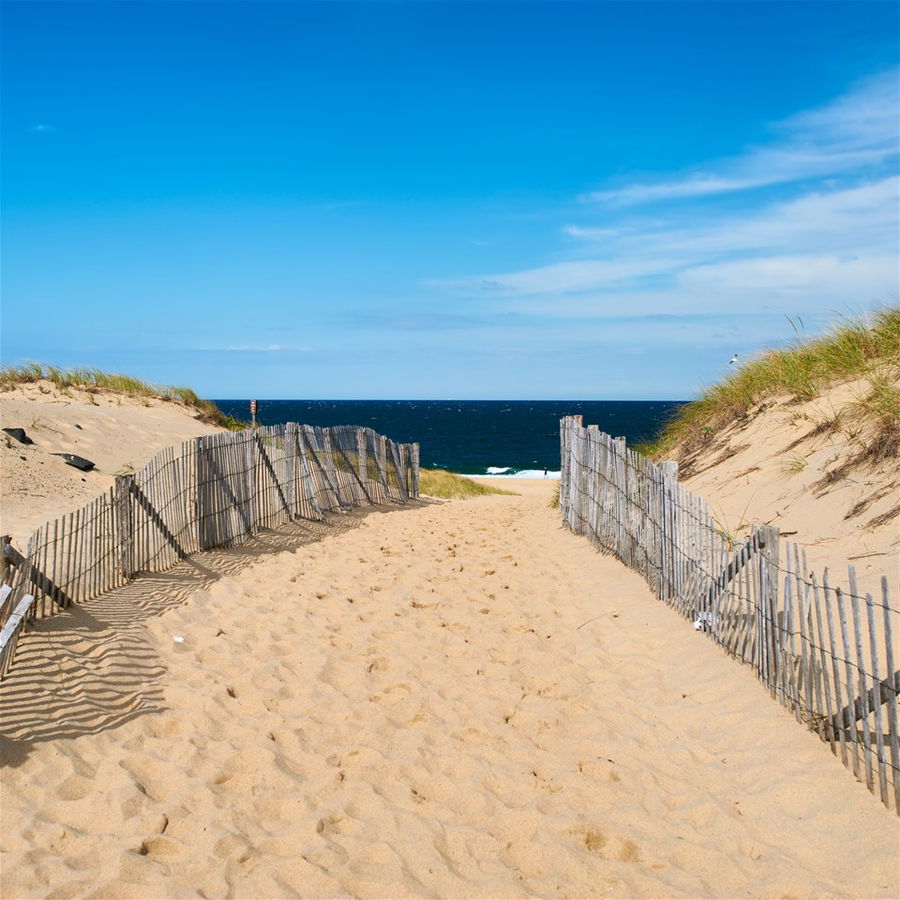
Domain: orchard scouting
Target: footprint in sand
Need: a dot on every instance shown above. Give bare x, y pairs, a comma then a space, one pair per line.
613, 846
74, 788
600, 769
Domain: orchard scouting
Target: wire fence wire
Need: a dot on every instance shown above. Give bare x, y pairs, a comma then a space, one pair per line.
827, 653
214, 491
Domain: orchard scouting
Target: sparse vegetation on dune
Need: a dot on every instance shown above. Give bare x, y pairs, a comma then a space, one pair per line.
448, 486
93, 381
866, 350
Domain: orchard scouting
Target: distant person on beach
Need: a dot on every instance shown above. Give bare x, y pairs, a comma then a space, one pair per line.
545, 472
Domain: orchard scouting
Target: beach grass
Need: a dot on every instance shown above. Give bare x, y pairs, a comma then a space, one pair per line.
865, 349
449, 486
95, 380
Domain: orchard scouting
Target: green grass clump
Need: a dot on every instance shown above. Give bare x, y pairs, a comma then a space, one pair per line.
93, 380
867, 349
447, 486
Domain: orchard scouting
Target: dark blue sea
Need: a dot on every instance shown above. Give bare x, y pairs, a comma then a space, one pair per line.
474, 437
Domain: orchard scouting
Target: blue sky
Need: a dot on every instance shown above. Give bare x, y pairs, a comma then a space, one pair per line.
433, 200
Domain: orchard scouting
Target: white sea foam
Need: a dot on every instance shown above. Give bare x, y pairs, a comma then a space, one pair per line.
523, 473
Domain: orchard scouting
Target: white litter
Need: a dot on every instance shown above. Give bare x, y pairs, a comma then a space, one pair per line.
178, 638
704, 621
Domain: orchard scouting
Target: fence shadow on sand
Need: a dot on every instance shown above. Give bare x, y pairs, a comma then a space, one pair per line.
93, 667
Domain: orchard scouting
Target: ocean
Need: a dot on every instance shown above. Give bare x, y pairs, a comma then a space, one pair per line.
472, 437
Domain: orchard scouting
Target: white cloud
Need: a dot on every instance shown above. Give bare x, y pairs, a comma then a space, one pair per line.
578, 275
816, 279
591, 234
710, 274
255, 348
864, 215
856, 130
856, 225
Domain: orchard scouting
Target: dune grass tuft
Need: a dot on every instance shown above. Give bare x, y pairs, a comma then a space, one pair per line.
867, 349
448, 486
553, 502
94, 380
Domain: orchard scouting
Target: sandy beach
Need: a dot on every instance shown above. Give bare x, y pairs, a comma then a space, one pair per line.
450, 450
459, 699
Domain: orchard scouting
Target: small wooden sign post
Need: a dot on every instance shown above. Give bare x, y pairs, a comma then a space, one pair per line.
254, 406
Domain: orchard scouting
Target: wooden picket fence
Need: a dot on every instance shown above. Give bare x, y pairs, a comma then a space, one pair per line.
214, 491
827, 653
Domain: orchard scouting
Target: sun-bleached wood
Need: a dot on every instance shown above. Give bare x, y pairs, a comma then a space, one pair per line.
814, 646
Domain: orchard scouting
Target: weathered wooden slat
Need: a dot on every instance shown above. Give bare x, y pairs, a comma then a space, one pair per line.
848, 671
38, 578
772, 614
267, 463
882, 692
879, 725
353, 471
891, 703
862, 679
154, 517
835, 665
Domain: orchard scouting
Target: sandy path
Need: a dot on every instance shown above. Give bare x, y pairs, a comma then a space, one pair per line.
457, 700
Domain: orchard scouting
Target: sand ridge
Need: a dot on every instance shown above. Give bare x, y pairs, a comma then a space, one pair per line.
116, 432
456, 700
782, 466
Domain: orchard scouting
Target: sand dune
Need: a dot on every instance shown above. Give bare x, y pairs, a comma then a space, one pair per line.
456, 700
116, 432
782, 466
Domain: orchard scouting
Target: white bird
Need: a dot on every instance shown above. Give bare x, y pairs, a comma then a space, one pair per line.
733, 360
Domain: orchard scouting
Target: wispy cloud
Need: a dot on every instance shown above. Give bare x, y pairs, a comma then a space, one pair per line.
254, 348
856, 130
577, 275
42, 128
862, 215
819, 246
839, 235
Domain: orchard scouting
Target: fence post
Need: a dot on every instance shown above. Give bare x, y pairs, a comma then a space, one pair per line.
5, 541
669, 473
290, 458
251, 463
404, 466
361, 452
332, 468
620, 487
563, 468
197, 506
306, 476
769, 552
398, 471
124, 524
414, 462
381, 460
568, 424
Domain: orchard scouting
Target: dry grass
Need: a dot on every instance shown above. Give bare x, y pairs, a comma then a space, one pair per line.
793, 464
865, 349
447, 486
94, 381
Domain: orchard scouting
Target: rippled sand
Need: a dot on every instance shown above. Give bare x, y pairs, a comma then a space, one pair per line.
457, 700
